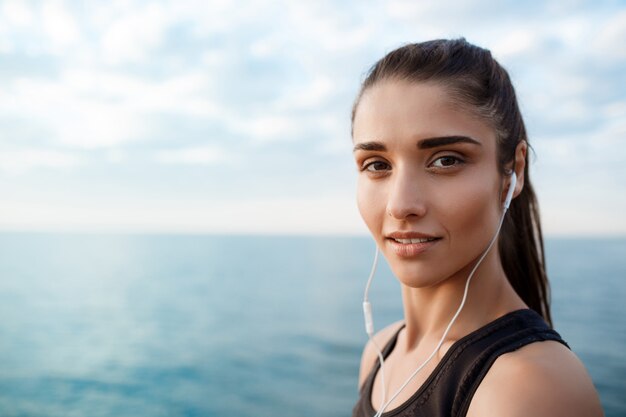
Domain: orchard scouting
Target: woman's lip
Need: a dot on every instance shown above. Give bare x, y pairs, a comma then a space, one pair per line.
410, 235
408, 250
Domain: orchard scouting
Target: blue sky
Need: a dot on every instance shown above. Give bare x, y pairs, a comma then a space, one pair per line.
233, 116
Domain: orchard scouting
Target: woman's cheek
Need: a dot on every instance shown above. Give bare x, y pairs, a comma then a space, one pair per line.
470, 211
368, 202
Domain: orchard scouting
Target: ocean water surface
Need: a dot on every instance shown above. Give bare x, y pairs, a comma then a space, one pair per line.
149, 325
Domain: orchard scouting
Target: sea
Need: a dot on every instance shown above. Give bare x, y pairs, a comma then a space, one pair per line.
192, 325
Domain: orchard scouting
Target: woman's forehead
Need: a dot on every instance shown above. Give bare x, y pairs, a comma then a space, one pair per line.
402, 109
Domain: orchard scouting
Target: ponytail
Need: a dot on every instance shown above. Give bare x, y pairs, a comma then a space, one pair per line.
522, 251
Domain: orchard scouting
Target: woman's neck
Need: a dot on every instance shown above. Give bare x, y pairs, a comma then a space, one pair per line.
428, 311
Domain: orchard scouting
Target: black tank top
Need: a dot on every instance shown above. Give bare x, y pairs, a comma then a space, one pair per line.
449, 389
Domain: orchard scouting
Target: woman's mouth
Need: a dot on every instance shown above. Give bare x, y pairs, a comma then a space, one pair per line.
406, 241
409, 247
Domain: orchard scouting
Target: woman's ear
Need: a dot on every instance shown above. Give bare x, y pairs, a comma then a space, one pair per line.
520, 165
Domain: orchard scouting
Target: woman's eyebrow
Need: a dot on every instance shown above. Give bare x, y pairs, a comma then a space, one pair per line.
427, 143
445, 140
370, 146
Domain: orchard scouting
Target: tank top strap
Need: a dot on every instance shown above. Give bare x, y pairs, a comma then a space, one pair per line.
519, 329
391, 344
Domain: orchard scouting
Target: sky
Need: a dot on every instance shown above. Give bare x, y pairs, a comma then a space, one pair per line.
233, 116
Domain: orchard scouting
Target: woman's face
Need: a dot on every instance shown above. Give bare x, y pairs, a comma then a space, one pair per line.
428, 186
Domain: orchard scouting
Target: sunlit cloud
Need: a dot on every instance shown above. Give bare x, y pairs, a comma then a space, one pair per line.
17, 13
610, 38
91, 109
59, 26
199, 155
135, 35
22, 160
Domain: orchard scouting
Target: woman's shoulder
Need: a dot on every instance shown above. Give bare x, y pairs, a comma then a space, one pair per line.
540, 379
370, 353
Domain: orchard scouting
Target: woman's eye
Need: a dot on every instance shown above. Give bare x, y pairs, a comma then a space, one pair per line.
446, 161
376, 166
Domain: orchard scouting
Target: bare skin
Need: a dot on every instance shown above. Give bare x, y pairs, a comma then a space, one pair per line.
414, 185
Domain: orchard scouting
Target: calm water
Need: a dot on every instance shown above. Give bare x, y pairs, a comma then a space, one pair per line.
238, 326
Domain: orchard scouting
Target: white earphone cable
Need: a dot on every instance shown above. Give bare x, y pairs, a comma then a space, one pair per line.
369, 325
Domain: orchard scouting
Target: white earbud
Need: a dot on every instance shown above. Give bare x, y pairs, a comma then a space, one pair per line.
509, 194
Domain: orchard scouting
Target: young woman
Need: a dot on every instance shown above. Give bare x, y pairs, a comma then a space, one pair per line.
437, 138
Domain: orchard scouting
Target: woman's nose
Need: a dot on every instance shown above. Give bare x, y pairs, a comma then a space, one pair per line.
405, 198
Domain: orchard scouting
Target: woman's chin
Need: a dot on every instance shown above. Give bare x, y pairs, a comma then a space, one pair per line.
418, 277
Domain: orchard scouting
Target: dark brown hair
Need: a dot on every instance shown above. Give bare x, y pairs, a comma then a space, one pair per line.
477, 82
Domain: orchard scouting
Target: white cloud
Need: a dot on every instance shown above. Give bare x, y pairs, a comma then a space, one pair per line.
220, 16
204, 155
266, 47
403, 9
131, 37
92, 109
324, 27
72, 118
268, 128
309, 96
6, 46
611, 38
59, 26
17, 13
22, 160
115, 156
606, 144
515, 42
